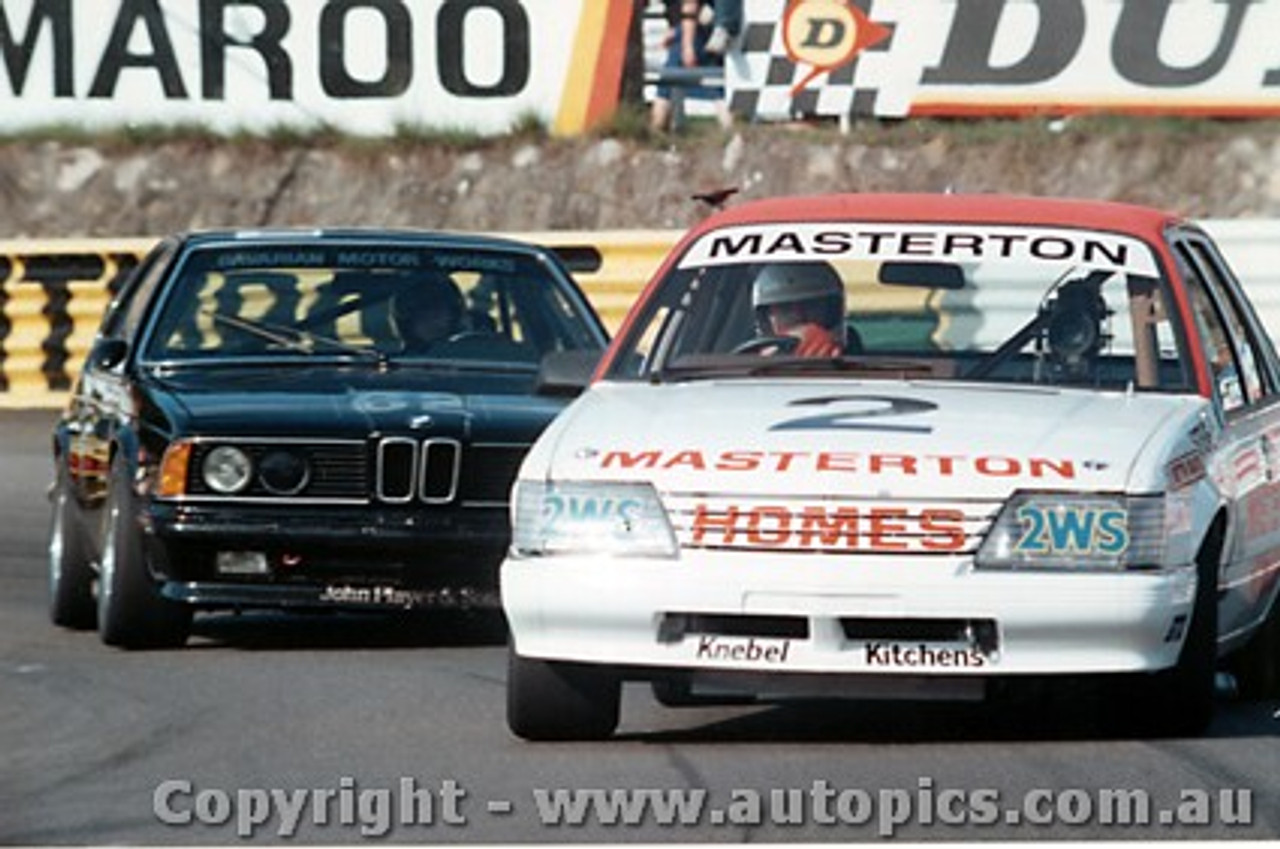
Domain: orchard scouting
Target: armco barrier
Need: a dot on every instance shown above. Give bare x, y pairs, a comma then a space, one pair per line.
611, 266
52, 293
51, 297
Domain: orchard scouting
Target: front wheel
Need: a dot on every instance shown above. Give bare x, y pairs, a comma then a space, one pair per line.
70, 570
1178, 702
131, 612
548, 700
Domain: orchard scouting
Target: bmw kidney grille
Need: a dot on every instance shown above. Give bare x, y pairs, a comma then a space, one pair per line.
409, 469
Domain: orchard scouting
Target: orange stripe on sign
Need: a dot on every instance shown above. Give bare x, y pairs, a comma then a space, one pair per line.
594, 79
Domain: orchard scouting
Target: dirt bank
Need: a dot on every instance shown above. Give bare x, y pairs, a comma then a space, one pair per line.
74, 188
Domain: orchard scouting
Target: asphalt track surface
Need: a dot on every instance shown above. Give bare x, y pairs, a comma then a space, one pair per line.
394, 729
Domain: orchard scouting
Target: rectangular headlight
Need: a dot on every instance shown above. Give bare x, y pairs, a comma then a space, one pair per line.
1076, 532
621, 519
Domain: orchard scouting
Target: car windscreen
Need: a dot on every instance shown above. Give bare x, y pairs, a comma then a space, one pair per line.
1001, 304
366, 300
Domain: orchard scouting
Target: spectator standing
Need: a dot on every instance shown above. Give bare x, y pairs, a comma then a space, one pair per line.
690, 25
726, 26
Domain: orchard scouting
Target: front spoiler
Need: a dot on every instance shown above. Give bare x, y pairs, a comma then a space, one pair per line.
238, 526
336, 596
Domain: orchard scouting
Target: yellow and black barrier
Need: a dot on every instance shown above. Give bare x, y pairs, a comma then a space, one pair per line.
53, 294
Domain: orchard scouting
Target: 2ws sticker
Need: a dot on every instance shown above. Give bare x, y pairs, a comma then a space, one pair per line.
1056, 529
622, 511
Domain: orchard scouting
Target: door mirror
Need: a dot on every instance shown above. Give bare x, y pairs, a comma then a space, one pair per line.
108, 353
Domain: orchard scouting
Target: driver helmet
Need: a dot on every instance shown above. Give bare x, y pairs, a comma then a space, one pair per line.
1075, 331
788, 294
427, 309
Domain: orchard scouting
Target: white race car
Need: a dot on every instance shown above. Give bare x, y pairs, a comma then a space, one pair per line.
896, 446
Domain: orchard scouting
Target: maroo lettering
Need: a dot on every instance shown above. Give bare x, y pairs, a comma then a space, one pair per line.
337, 30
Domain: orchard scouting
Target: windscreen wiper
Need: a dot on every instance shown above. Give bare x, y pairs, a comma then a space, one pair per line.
302, 341
724, 367
876, 365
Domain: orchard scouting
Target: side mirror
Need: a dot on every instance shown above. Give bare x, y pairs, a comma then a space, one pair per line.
566, 373
108, 353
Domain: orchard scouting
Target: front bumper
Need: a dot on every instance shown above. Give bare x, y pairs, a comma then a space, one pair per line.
327, 557
316, 524
801, 614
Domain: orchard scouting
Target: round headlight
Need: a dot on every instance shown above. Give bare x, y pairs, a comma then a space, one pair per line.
283, 472
226, 470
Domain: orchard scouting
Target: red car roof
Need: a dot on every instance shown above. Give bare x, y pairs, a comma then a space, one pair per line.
1142, 222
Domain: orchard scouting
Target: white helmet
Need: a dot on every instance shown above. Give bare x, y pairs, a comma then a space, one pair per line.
814, 283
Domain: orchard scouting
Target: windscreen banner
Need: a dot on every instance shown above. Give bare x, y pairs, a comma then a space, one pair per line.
957, 58
366, 67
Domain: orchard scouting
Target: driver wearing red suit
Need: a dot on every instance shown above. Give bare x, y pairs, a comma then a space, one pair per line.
803, 301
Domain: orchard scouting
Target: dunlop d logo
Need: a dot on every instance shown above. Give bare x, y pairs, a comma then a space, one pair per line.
826, 34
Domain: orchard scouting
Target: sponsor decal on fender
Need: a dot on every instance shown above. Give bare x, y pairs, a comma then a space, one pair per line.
1185, 470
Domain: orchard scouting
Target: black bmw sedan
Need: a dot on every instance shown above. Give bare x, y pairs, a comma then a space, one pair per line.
305, 419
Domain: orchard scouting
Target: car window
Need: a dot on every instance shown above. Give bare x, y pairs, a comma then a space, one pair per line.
405, 302
1229, 348
124, 313
1050, 307
1250, 346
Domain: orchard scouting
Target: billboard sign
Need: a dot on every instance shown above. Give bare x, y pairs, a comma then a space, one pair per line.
367, 67
912, 58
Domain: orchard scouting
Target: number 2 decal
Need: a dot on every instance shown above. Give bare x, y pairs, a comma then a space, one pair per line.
853, 410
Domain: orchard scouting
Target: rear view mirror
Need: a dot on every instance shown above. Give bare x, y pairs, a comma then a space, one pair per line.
932, 275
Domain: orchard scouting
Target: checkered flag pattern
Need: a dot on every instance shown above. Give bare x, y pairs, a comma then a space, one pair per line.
760, 76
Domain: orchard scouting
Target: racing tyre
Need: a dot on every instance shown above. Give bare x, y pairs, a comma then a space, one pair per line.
70, 568
1178, 702
560, 701
1257, 666
131, 612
